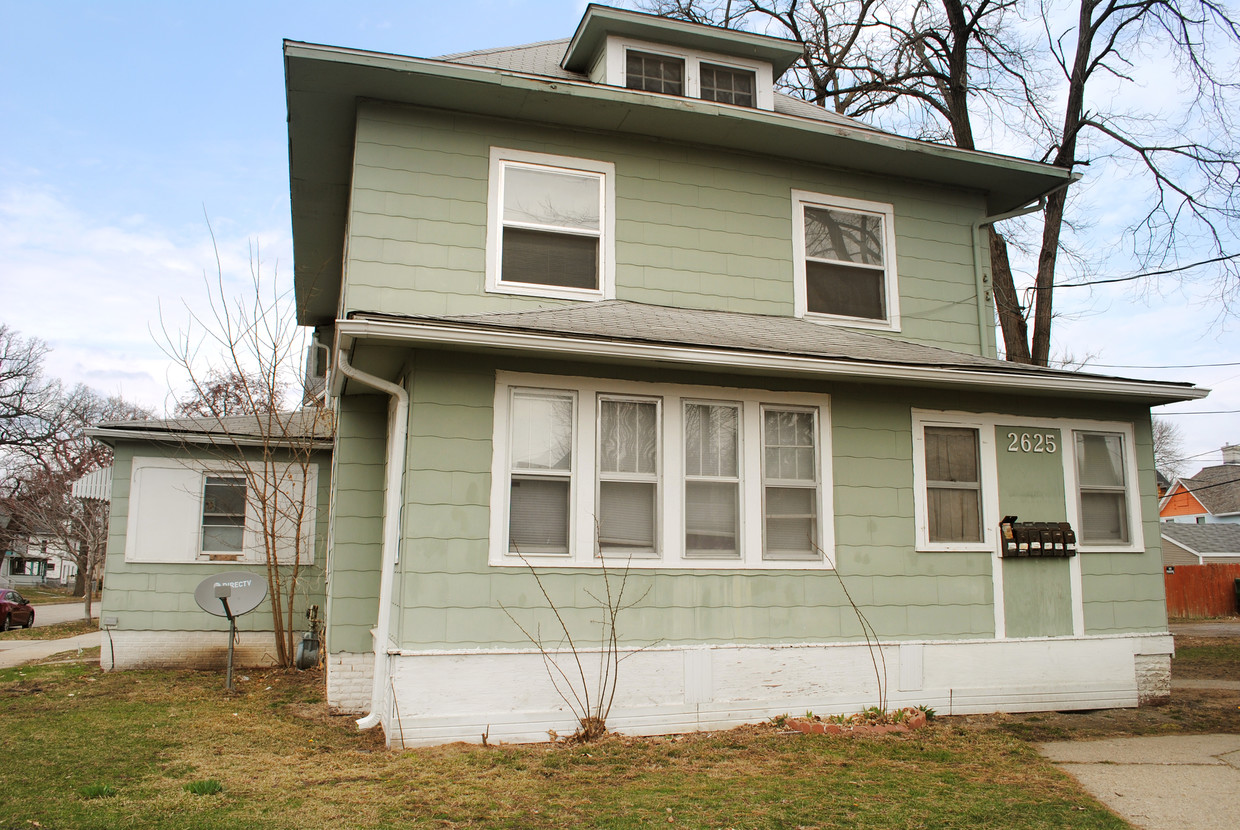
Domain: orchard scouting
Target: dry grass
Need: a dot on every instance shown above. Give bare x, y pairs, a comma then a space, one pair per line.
283, 762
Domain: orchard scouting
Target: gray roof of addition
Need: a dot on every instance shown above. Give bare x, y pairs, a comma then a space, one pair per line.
286, 427
544, 59
1217, 488
1205, 539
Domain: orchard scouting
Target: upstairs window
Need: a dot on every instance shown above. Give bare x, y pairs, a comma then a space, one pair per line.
549, 233
654, 73
727, 85
845, 260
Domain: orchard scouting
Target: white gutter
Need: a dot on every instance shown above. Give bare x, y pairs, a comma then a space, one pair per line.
985, 282
576, 346
393, 497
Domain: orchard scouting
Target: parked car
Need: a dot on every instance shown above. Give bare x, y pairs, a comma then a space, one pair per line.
15, 610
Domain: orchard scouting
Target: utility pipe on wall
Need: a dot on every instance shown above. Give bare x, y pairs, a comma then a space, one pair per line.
393, 498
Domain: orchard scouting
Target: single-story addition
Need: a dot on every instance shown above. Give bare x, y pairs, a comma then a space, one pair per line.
1200, 544
184, 507
612, 305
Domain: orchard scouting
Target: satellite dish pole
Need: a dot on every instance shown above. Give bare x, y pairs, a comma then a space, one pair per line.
245, 590
222, 593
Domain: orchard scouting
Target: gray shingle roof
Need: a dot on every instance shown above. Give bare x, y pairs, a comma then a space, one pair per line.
1204, 539
620, 320
1217, 488
303, 423
544, 59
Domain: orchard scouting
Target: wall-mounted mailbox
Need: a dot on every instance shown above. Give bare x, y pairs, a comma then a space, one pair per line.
1036, 538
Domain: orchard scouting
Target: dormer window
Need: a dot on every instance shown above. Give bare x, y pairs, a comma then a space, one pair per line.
676, 70
727, 85
654, 73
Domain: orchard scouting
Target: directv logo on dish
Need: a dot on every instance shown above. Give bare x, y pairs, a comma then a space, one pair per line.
242, 583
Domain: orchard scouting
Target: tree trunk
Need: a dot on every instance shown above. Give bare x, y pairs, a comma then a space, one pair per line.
1007, 302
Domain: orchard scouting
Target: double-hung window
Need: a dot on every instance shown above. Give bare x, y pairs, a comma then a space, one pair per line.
549, 232
790, 483
628, 475
712, 479
845, 260
658, 475
223, 515
953, 485
1102, 488
541, 472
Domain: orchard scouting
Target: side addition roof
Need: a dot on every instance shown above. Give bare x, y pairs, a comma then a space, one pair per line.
241, 430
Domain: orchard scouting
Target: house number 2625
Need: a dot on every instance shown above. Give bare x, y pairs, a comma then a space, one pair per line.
1031, 442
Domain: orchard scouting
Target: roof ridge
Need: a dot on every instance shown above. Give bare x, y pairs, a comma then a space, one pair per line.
497, 49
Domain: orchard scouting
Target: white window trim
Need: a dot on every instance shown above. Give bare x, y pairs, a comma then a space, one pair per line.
671, 531
617, 57
1132, 491
802, 199
501, 156
987, 469
186, 542
986, 424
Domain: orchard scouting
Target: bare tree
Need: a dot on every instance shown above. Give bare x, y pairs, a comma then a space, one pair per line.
935, 68
1168, 447
240, 356
40, 496
32, 407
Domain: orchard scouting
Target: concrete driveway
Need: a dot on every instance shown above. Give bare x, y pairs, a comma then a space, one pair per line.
61, 612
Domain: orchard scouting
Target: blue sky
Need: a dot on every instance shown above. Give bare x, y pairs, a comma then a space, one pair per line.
124, 124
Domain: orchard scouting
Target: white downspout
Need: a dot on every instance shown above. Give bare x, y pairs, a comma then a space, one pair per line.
393, 497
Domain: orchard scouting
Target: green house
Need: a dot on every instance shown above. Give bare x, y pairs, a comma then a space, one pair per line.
608, 312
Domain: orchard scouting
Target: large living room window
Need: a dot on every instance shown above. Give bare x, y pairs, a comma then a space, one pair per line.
845, 261
657, 475
549, 232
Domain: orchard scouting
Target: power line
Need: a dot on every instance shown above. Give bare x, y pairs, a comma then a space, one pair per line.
1202, 412
1086, 283
1170, 366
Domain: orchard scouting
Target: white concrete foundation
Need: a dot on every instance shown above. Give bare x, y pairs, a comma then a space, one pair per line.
183, 649
458, 696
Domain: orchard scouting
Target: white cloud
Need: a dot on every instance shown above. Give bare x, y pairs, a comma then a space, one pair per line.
93, 288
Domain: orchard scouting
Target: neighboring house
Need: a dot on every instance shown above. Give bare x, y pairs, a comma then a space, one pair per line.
182, 511
611, 299
1193, 544
1213, 495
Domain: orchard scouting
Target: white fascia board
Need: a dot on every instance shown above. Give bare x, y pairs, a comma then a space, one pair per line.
575, 346
206, 439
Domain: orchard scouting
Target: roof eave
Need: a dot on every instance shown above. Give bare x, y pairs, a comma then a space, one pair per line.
436, 334
323, 85
110, 435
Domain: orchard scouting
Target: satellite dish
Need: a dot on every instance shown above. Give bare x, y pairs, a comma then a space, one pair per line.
243, 591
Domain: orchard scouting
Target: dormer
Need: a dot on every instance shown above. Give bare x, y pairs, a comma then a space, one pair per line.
672, 57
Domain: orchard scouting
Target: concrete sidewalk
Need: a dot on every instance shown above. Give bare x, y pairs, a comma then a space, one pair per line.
1168, 782
20, 652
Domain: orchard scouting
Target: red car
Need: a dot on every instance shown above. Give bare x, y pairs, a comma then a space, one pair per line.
14, 611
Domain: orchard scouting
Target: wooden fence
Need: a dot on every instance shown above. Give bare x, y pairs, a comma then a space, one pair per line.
1202, 590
